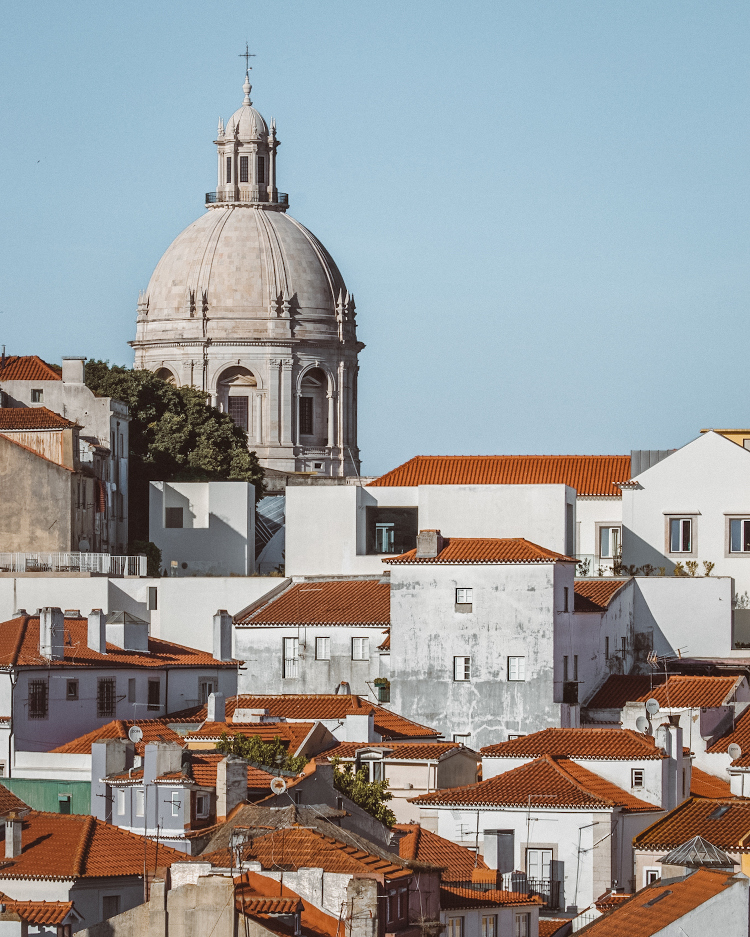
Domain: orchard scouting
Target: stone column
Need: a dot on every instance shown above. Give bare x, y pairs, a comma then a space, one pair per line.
288, 400
258, 427
331, 419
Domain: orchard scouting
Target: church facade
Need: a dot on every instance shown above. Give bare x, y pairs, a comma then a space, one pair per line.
249, 306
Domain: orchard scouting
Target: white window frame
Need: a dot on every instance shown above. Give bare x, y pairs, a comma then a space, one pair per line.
120, 796
462, 669
523, 924
175, 802
323, 648
489, 925
614, 538
140, 802
744, 530
360, 648
682, 521
291, 658
465, 596
455, 927
651, 874
516, 669
463, 738
638, 778
202, 798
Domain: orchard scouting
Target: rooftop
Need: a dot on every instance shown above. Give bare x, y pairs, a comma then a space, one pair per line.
39, 913
154, 730
588, 474
423, 846
400, 751
336, 602
677, 692
200, 770
261, 898
596, 744
28, 368
453, 898
740, 735
9, 802
706, 785
24, 418
294, 733
723, 821
594, 595
489, 550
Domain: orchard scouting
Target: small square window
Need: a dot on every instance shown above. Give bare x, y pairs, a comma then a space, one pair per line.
360, 648
37, 395
71, 690
651, 876
322, 649
637, 777
63, 803
462, 669
680, 535
173, 518
464, 596
516, 668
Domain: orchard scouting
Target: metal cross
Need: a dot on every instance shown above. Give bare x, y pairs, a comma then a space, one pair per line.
247, 55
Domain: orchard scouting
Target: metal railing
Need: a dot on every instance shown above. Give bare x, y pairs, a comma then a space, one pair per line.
101, 563
212, 198
591, 566
546, 889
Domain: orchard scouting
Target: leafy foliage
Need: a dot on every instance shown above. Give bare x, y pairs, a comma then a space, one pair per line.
152, 553
267, 754
175, 435
371, 796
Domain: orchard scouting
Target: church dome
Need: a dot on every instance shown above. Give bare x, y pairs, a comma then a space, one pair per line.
250, 122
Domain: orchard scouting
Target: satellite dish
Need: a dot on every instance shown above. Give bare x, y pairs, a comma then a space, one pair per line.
734, 751
278, 785
135, 734
652, 706
641, 723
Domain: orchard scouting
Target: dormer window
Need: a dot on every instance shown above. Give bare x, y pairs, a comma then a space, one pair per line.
243, 169
229, 169
261, 169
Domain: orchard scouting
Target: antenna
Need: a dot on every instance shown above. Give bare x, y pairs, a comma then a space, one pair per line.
641, 723
278, 785
652, 706
734, 751
135, 734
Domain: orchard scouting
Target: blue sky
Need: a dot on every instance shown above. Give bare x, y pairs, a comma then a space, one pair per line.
540, 207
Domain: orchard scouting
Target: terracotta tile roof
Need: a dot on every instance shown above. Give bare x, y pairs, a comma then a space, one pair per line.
599, 744
9, 801
594, 595
20, 418
549, 926
347, 602
260, 897
453, 898
386, 645
588, 474
423, 846
154, 730
483, 550
729, 829
643, 915
610, 900
566, 783
315, 706
38, 913
398, 751
69, 846
706, 785
677, 692
28, 368
293, 733
740, 735
19, 647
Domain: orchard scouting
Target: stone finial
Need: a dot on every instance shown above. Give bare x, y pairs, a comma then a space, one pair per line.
247, 88
221, 128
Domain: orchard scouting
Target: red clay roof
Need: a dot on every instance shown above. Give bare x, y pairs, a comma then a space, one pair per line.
347, 602
154, 730
386, 645
292, 732
554, 783
9, 802
483, 550
588, 474
678, 691
38, 913
260, 897
740, 735
643, 915
69, 846
423, 846
28, 368
203, 772
20, 418
453, 898
19, 647
599, 744
594, 595
399, 751
706, 785
549, 926
729, 829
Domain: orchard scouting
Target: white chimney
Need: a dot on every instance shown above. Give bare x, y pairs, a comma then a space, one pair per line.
97, 635
51, 633
216, 709
429, 543
222, 635
73, 370
360, 727
13, 835
669, 738
231, 785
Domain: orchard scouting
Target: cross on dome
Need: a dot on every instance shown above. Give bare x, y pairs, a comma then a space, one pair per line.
247, 87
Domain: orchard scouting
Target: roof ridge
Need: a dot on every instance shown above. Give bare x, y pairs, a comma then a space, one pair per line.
79, 863
581, 787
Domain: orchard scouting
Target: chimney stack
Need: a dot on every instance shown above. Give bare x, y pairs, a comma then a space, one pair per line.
73, 370
231, 785
222, 635
97, 634
13, 836
215, 708
51, 633
429, 543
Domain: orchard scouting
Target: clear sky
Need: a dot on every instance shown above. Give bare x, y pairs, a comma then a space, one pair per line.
540, 206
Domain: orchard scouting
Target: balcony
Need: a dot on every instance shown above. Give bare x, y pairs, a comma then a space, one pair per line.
546, 889
98, 564
591, 566
213, 198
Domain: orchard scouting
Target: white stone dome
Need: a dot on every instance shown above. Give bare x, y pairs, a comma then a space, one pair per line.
250, 122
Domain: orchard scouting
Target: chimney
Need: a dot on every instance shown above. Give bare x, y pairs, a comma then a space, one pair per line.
669, 738
222, 635
161, 758
216, 709
13, 826
111, 756
73, 370
429, 543
51, 633
360, 727
97, 635
231, 785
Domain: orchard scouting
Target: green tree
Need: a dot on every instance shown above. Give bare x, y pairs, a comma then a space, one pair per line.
371, 796
175, 435
267, 754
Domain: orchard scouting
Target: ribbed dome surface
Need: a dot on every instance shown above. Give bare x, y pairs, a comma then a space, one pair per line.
250, 121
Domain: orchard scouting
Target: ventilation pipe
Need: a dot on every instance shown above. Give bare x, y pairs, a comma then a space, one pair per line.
222, 635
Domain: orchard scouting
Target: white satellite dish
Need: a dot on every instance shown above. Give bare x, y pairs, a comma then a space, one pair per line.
135, 734
652, 706
278, 785
641, 723
734, 751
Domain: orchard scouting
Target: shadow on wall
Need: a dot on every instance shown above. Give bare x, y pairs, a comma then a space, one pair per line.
216, 550
637, 552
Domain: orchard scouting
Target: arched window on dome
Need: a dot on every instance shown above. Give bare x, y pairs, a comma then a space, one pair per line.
313, 409
233, 395
166, 375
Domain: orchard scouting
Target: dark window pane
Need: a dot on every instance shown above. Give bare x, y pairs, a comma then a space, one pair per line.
173, 517
154, 694
261, 169
391, 530
306, 416
63, 801
686, 536
229, 168
238, 411
243, 168
105, 698
735, 536
38, 699
746, 538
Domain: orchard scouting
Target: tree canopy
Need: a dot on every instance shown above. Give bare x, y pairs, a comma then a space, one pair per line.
266, 754
371, 796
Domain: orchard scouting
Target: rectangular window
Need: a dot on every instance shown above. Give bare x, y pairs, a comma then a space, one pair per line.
566, 592
360, 648
322, 649
205, 689
71, 690
489, 925
175, 802
391, 530
37, 395
110, 906
291, 657
516, 668
462, 669
140, 802
565, 669
306, 416
651, 876
609, 542
538, 864
243, 169
464, 596
606, 648
739, 536
455, 927
238, 410
173, 518
680, 535
63, 803
624, 642
202, 805
229, 170
120, 796
153, 598
131, 690
105, 697
261, 170
154, 694
38, 699
575, 667
523, 925
636, 777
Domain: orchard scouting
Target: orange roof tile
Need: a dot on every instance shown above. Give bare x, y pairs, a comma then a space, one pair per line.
483, 550
347, 602
706, 785
564, 782
740, 735
423, 846
293, 733
549, 926
9, 801
38, 913
729, 828
154, 730
599, 744
386, 645
588, 474
594, 595
23, 418
453, 898
643, 915
398, 751
69, 846
28, 368
678, 691
260, 898
19, 647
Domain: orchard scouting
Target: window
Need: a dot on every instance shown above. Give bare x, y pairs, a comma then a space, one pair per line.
565, 668
173, 517
140, 802
680, 535
739, 536
489, 925
153, 595
624, 642
38, 699
229, 170
243, 168
322, 649
202, 805
650, 876
360, 648
175, 802
523, 925
464, 596
120, 797
306, 416
131, 690
110, 906
606, 648
105, 697
566, 593
455, 927
538, 864
205, 689
575, 667
63, 803
609, 542
71, 690
463, 738
636, 777
37, 395
261, 170
384, 692
516, 668
291, 657
373, 767
391, 530
238, 411
462, 669
154, 694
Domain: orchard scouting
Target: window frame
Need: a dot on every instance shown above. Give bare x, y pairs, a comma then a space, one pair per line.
120, 802
325, 641
38, 690
730, 519
175, 802
244, 169
682, 519
514, 658
614, 551
648, 872
637, 778
203, 688
465, 668
290, 665
364, 644
106, 702
140, 802
261, 169
489, 925
228, 166
465, 596
205, 798
117, 901
154, 705
455, 927
170, 516
240, 404
522, 924
71, 685
306, 414
37, 395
